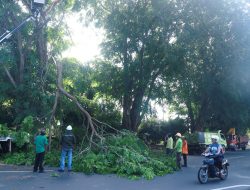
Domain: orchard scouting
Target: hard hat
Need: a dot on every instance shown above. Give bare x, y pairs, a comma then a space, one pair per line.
69, 128
178, 135
215, 137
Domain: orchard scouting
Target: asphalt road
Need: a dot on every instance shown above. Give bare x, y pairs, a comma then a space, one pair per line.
20, 178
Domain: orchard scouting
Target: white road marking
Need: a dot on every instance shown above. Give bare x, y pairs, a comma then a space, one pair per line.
23, 171
230, 187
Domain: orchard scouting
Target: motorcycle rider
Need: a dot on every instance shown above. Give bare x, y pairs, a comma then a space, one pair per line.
216, 150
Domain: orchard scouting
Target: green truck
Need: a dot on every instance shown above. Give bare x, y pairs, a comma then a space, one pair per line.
199, 141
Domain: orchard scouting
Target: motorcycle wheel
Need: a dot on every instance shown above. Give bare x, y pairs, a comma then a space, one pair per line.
224, 173
202, 175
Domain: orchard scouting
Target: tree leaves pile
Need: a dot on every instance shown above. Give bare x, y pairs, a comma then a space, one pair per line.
125, 155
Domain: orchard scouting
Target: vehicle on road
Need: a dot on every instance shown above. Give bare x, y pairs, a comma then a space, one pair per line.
199, 141
236, 141
212, 169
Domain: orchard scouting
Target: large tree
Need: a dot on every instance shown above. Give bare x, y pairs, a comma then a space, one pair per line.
215, 38
138, 45
26, 73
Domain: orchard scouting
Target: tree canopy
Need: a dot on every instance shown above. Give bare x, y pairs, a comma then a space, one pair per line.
194, 55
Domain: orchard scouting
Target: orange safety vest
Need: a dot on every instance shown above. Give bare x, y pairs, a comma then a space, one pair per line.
184, 147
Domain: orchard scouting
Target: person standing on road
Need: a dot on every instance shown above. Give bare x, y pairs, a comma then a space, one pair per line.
178, 149
40, 142
67, 142
169, 146
184, 150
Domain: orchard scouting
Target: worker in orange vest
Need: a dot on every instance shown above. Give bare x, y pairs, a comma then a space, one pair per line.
184, 150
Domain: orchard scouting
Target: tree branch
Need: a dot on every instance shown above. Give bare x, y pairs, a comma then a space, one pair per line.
72, 98
10, 77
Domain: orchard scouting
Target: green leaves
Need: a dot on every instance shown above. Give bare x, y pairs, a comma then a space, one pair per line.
28, 124
19, 158
125, 155
4, 131
21, 138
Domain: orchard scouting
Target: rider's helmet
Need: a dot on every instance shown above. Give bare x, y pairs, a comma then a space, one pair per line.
215, 137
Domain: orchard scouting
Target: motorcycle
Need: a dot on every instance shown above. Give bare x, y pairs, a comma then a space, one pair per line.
211, 170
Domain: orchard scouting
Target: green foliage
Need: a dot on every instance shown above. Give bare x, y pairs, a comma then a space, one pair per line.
125, 155
21, 138
4, 131
19, 158
192, 138
23, 135
155, 131
28, 158
28, 124
52, 158
54, 174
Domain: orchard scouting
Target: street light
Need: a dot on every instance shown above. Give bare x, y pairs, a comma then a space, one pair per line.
41, 2
36, 7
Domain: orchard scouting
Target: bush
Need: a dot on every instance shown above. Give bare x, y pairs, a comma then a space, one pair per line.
19, 158
28, 158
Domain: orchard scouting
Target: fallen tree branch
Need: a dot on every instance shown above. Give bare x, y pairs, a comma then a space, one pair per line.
90, 124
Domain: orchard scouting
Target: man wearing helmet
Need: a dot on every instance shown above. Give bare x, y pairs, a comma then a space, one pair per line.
216, 150
67, 142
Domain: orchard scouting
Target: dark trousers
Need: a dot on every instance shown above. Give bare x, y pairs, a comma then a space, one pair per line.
185, 159
169, 151
178, 159
39, 162
218, 161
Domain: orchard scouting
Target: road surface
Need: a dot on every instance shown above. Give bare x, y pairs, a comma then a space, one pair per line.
21, 178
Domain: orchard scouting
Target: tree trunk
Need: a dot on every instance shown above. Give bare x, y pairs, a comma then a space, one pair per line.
136, 110
21, 57
191, 115
127, 81
126, 122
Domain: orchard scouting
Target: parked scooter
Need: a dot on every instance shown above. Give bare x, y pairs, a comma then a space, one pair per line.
210, 169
